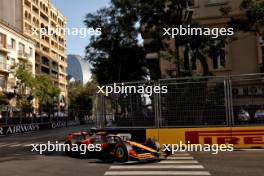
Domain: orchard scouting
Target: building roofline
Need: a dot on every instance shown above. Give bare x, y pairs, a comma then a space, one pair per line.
53, 7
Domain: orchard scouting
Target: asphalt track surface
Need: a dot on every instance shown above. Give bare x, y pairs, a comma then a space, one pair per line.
16, 159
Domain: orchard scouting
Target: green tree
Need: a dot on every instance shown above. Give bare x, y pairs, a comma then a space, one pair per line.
115, 55
155, 15
252, 21
3, 99
30, 86
45, 91
25, 85
82, 96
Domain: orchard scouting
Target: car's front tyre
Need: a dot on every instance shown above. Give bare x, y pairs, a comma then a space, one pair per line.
121, 154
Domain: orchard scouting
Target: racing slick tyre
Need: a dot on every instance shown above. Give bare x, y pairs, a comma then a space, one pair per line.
121, 154
70, 152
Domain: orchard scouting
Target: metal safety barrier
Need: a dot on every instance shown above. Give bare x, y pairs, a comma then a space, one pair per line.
17, 117
188, 102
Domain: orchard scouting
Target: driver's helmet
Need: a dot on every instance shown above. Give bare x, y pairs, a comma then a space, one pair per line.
152, 143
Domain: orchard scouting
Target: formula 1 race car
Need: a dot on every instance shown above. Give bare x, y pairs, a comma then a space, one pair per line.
113, 147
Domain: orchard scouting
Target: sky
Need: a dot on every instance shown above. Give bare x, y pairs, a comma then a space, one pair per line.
75, 12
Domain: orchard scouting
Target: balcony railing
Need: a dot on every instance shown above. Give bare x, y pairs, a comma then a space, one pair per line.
55, 68
3, 47
10, 47
23, 55
55, 76
3, 66
54, 56
44, 62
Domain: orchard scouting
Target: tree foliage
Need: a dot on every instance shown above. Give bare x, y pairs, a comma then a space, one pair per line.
3, 99
44, 90
253, 21
156, 15
82, 96
25, 84
115, 54
30, 86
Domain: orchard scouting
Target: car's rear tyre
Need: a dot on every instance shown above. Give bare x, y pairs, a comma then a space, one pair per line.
69, 151
121, 154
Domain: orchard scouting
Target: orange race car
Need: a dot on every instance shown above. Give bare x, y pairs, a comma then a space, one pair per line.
112, 147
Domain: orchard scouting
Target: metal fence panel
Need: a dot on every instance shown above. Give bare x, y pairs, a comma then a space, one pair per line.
247, 99
16, 116
193, 102
127, 109
189, 102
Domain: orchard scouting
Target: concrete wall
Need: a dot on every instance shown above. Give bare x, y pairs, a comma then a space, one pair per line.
11, 12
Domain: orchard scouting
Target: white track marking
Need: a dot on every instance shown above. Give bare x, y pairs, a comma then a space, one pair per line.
180, 158
179, 162
7, 144
151, 166
157, 173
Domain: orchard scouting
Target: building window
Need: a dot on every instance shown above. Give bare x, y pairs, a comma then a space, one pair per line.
189, 60
2, 58
12, 61
35, 1
193, 3
21, 48
216, 2
2, 82
186, 58
218, 55
219, 62
61, 68
2, 40
262, 67
261, 43
2, 61
27, 3
62, 99
13, 43
30, 52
